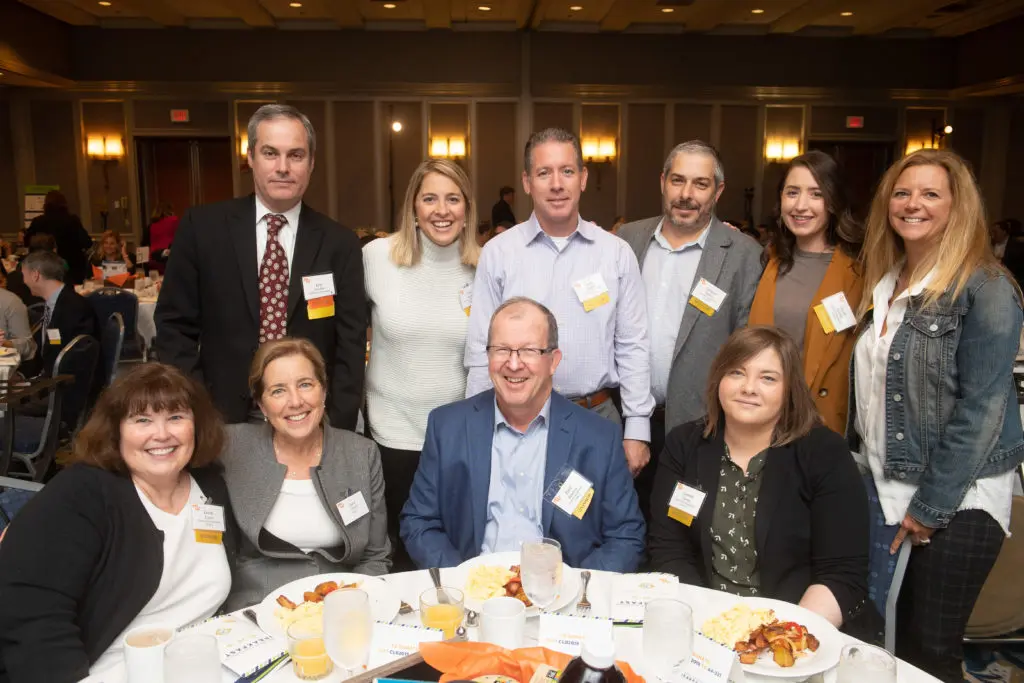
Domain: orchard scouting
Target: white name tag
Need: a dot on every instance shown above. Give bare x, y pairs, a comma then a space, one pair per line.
706, 297
53, 335
316, 286
711, 663
574, 495
839, 312
592, 292
391, 642
208, 523
685, 503
353, 507
466, 298
114, 268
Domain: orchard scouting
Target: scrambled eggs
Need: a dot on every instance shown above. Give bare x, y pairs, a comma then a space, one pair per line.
286, 617
487, 581
736, 624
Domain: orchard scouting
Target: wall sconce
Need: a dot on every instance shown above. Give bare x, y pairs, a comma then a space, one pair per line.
939, 132
598, 150
102, 148
448, 148
779, 151
243, 151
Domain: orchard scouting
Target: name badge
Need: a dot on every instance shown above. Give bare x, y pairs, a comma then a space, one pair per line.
53, 335
834, 314
353, 508
317, 286
466, 298
706, 297
574, 495
685, 503
208, 523
592, 292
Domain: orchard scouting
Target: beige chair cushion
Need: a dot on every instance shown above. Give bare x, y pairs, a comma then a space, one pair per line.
1000, 607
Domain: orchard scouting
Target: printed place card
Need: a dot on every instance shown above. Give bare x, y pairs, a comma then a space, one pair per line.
391, 642
631, 592
567, 634
712, 663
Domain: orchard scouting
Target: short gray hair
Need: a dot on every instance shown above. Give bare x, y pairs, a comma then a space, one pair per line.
551, 135
48, 264
696, 147
552, 342
269, 112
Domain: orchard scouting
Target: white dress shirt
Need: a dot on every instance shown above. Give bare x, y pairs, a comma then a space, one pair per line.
285, 236
993, 495
668, 278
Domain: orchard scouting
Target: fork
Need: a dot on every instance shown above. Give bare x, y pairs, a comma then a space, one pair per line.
584, 605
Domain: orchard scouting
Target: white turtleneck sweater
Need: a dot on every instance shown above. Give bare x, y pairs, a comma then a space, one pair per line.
419, 335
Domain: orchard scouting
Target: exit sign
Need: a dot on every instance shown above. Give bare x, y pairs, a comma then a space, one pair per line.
179, 116
854, 121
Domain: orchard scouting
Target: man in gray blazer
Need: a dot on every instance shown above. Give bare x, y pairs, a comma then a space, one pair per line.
700, 277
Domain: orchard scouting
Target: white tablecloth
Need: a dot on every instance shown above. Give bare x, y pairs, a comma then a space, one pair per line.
146, 324
628, 641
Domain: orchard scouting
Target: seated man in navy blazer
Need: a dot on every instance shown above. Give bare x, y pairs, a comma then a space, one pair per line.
492, 464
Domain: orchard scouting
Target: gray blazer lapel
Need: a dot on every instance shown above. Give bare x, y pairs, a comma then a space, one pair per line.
258, 482
710, 267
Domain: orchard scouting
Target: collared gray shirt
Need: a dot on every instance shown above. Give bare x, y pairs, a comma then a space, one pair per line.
516, 490
668, 279
733, 544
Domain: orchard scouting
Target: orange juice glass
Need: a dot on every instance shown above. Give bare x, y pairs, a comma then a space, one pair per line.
306, 646
442, 608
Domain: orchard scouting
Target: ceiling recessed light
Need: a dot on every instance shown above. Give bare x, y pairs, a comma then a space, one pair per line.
105, 3
668, 10
575, 8
396, 126
484, 8
757, 11
390, 5
846, 14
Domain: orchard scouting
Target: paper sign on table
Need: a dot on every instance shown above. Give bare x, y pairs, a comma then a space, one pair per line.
142, 255
566, 634
391, 642
712, 663
631, 592
244, 648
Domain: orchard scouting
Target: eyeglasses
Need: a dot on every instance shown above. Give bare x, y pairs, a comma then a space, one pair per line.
526, 354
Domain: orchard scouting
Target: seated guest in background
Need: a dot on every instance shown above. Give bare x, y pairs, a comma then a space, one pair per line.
619, 222
418, 285
15, 329
309, 498
811, 259
779, 509
462, 504
502, 227
502, 211
934, 412
66, 228
67, 313
16, 280
1008, 245
109, 544
112, 252
159, 235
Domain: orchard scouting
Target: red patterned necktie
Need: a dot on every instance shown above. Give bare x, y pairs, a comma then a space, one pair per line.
273, 284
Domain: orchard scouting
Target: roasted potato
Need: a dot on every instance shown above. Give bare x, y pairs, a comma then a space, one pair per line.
285, 602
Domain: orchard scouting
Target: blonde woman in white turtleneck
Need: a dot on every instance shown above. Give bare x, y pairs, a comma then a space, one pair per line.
418, 282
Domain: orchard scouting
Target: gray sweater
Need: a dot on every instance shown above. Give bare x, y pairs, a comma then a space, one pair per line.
350, 463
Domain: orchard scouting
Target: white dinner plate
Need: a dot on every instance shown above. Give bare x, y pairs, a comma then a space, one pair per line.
829, 639
384, 601
456, 578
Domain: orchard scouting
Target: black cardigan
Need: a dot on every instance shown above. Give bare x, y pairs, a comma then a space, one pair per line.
79, 562
812, 516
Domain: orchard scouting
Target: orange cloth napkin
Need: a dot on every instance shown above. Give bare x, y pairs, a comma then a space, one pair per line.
97, 273
119, 280
466, 661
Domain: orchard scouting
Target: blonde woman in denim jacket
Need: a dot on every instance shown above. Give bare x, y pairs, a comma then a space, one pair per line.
933, 410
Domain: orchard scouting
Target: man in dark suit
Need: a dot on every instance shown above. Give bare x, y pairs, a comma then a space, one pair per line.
520, 462
67, 313
255, 269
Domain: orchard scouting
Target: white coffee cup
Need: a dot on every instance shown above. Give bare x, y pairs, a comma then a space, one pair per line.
144, 653
502, 622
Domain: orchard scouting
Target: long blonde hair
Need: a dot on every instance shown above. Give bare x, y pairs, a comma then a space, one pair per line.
963, 247
406, 250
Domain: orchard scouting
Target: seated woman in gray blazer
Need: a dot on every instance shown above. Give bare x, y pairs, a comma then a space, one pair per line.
308, 498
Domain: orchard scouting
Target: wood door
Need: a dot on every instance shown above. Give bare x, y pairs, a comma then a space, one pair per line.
186, 172
863, 165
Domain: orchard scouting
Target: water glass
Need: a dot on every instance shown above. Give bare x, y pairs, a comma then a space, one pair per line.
859, 662
442, 608
192, 659
310, 661
540, 567
668, 636
348, 628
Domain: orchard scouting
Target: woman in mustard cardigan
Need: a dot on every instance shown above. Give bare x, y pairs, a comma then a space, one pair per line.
811, 284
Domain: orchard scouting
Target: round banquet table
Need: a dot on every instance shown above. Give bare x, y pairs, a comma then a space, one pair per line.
628, 640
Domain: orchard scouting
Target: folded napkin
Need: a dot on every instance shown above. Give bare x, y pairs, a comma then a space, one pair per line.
466, 661
631, 592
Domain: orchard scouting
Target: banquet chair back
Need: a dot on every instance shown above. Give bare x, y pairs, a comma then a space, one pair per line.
108, 300
14, 493
111, 343
42, 442
35, 315
79, 359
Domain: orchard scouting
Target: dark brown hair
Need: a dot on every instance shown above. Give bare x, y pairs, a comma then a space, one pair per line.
799, 414
842, 230
281, 348
151, 386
